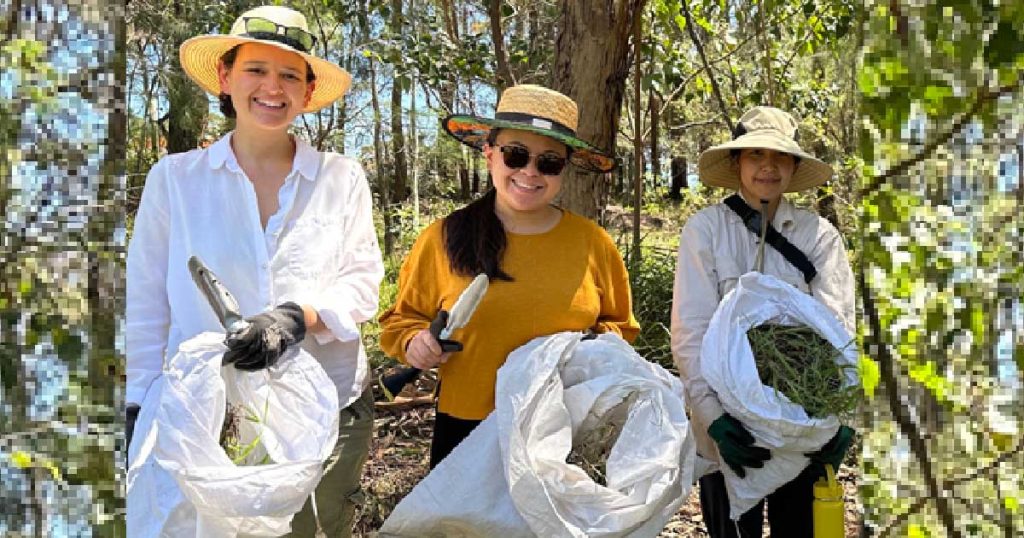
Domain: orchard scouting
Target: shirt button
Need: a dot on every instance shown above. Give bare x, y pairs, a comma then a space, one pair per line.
266, 265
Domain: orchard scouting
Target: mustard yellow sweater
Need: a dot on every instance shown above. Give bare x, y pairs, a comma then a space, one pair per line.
570, 278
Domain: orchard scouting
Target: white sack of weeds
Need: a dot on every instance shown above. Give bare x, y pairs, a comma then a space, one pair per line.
182, 483
727, 364
510, 476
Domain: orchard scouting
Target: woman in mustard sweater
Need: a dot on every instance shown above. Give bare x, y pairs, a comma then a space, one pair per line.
550, 270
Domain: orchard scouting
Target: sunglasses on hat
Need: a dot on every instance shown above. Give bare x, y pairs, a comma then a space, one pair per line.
516, 157
260, 28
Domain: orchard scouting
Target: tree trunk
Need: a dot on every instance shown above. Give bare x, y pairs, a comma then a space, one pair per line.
414, 135
638, 144
678, 165
591, 66
400, 189
187, 104
104, 297
464, 183
654, 105
378, 157
476, 172
503, 77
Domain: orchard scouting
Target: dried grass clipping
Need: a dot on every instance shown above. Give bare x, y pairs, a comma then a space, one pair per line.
797, 362
231, 438
593, 444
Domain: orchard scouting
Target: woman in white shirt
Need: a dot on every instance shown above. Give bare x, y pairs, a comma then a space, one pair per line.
286, 228
762, 162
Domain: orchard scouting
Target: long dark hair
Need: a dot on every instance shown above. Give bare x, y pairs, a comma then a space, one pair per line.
474, 237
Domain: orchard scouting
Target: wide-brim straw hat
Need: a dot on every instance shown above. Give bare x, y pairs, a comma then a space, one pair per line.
200, 55
766, 128
536, 109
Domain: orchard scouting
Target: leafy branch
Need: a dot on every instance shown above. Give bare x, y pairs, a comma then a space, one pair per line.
908, 427
985, 97
948, 485
691, 29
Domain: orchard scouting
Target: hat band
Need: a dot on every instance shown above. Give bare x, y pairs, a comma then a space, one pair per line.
270, 36
535, 121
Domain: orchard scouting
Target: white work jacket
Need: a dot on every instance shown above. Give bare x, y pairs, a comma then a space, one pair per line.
715, 248
320, 249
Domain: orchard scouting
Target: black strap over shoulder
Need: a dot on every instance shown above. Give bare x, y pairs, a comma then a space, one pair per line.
752, 220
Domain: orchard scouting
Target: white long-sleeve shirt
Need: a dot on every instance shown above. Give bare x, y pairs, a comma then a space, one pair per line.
715, 248
319, 249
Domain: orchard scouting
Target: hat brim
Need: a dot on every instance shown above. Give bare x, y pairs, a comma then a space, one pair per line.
715, 166
199, 57
473, 130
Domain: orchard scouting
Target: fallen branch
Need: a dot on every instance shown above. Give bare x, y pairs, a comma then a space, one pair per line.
405, 402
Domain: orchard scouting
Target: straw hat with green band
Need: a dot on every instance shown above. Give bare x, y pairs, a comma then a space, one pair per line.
766, 128
536, 109
270, 25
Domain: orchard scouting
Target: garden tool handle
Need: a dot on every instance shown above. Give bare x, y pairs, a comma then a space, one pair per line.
759, 264
394, 383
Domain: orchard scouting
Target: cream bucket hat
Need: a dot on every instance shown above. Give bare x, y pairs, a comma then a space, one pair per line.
767, 128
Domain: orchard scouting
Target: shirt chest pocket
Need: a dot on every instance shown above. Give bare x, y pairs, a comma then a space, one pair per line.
313, 245
729, 273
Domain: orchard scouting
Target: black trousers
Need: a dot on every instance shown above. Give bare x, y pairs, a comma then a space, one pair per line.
448, 433
789, 508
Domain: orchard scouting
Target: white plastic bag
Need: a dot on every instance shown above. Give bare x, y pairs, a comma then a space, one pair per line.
182, 483
510, 477
727, 364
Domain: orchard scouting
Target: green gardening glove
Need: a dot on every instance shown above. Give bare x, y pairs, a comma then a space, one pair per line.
835, 450
736, 445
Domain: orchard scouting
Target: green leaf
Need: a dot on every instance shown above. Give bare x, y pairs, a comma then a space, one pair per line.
869, 374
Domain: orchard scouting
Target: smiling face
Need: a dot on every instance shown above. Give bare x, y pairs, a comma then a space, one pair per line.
267, 86
524, 190
765, 173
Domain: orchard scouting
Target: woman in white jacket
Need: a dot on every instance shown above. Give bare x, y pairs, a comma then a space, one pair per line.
717, 245
288, 230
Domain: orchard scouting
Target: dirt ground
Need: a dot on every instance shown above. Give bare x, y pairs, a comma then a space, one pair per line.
399, 455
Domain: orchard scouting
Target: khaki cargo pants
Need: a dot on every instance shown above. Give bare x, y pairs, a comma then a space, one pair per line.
338, 492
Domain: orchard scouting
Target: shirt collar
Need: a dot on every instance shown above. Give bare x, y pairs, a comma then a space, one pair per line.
307, 159
220, 152
785, 214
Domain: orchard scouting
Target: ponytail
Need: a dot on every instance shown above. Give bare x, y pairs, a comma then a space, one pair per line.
474, 239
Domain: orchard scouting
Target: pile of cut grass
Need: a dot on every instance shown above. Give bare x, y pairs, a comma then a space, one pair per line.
797, 362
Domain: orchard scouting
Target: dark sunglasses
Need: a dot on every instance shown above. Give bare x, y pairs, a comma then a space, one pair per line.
517, 157
260, 28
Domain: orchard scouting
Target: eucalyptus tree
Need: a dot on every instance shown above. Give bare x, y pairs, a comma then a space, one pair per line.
59, 367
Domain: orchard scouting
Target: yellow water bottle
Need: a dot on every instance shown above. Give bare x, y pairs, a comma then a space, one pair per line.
828, 506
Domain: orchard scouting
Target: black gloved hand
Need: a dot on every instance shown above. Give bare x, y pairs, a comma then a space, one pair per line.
130, 414
736, 445
835, 450
266, 338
